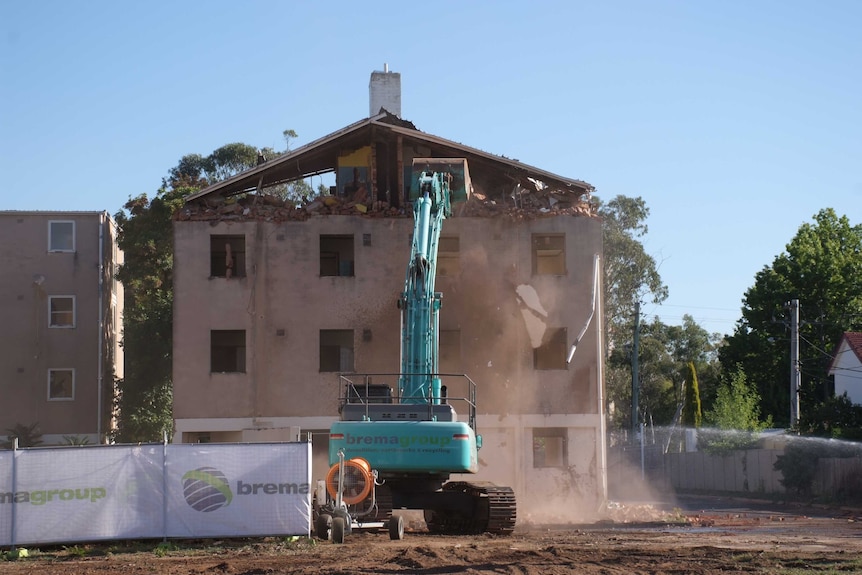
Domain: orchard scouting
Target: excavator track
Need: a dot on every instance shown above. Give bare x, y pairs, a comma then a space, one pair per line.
494, 510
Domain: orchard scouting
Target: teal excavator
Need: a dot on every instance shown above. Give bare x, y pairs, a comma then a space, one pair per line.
397, 449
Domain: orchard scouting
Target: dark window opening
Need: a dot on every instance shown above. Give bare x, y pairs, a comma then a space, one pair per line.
227, 351
448, 256
61, 236
549, 254
552, 353
336, 256
61, 384
550, 448
336, 350
227, 256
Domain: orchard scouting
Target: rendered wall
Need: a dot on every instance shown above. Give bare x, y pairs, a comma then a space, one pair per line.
283, 303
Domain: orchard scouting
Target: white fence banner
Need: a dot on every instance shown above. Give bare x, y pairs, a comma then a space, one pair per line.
252, 489
91, 493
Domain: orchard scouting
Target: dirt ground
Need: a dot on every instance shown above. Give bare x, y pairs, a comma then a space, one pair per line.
729, 538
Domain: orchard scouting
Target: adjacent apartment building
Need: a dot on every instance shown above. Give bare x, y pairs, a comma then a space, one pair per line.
274, 305
61, 324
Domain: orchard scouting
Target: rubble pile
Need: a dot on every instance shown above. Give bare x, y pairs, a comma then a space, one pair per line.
269, 208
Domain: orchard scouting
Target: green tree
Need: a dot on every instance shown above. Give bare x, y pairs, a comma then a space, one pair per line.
822, 268
734, 417
144, 393
691, 411
665, 353
629, 276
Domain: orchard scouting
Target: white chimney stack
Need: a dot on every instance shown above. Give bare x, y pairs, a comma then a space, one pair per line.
384, 91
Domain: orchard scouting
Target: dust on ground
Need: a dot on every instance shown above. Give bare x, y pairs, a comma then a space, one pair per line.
634, 539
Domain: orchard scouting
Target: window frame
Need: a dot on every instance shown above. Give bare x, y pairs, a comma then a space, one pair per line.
448, 259
239, 256
238, 368
51, 234
539, 262
555, 339
330, 250
545, 433
342, 368
51, 312
51, 372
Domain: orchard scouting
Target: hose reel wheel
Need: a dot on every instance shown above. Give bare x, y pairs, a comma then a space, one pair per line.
357, 484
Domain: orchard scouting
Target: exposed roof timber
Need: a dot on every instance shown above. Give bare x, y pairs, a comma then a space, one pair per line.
527, 170
317, 158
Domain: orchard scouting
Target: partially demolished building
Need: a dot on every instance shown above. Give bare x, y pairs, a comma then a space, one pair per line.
273, 301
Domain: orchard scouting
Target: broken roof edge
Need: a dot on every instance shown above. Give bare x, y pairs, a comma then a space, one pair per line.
247, 181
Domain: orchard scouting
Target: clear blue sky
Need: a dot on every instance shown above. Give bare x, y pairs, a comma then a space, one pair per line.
736, 121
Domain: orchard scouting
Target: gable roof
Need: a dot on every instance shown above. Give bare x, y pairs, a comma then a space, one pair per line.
321, 156
851, 342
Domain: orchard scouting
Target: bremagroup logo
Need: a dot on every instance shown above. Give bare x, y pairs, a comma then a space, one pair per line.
206, 489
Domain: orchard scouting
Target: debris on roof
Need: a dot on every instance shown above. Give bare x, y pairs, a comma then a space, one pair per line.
522, 204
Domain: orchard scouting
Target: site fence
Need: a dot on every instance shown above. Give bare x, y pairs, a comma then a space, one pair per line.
668, 461
94, 493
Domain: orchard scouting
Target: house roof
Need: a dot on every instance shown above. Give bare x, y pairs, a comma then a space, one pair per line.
853, 341
321, 156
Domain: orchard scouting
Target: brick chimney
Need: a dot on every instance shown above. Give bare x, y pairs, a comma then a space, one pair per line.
384, 91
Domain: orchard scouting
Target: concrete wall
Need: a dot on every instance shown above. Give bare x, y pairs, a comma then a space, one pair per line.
31, 275
496, 303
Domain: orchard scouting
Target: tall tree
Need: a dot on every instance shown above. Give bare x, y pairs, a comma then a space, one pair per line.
630, 276
691, 411
822, 268
144, 399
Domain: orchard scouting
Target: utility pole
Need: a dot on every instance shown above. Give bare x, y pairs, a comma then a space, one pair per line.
795, 372
635, 382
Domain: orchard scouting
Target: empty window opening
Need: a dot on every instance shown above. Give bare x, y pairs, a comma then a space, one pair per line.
227, 256
552, 353
61, 311
550, 448
61, 384
549, 254
336, 256
336, 350
227, 351
61, 236
448, 256
450, 351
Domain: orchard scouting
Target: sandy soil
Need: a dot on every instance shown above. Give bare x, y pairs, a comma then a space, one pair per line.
738, 539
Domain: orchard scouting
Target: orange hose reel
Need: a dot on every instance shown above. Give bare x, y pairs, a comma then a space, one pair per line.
358, 481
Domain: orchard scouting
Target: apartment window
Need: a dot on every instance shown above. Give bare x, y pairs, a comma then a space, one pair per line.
550, 448
227, 256
336, 256
336, 350
552, 353
549, 254
448, 256
450, 351
61, 384
61, 311
61, 236
227, 351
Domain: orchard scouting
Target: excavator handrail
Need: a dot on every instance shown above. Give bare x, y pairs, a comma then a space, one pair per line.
352, 393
